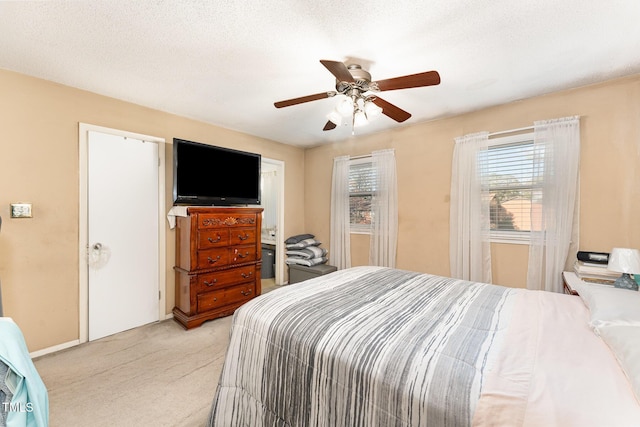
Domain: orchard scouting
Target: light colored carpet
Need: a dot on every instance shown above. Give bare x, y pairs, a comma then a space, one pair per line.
154, 375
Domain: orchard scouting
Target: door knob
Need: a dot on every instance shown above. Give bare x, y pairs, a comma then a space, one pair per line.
98, 255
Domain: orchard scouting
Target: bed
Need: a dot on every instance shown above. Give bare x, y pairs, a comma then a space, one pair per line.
372, 346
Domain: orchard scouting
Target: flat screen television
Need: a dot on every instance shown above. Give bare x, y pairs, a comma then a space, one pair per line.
207, 175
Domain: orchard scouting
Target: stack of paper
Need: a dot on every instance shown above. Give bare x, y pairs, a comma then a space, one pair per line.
592, 272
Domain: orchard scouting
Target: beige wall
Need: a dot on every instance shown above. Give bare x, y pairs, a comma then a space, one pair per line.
39, 164
610, 177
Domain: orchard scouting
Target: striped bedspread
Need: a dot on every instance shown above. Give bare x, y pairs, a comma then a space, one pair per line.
367, 346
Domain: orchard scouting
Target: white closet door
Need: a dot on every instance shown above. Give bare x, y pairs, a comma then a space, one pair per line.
122, 233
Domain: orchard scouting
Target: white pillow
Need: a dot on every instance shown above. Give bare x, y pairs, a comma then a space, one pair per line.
609, 305
624, 342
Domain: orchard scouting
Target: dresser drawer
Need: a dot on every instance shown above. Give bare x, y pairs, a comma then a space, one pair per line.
227, 296
223, 220
211, 238
219, 257
220, 279
242, 236
212, 258
241, 254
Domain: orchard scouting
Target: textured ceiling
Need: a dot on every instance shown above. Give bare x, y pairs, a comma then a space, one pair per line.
226, 62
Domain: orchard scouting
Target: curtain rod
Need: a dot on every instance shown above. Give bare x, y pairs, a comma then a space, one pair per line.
510, 131
369, 156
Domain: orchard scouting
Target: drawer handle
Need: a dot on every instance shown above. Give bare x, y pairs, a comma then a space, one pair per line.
213, 261
246, 254
245, 237
211, 283
245, 275
245, 293
210, 239
215, 299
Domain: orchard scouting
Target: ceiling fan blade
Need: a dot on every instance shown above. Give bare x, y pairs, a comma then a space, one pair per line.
390, 110
330, 125
338, 69
303, 99
428, 78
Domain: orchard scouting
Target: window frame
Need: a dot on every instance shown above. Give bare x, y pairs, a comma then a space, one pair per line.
359, 228
516, 237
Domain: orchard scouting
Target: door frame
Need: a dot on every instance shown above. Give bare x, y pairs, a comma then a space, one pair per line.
280, 265
83, 231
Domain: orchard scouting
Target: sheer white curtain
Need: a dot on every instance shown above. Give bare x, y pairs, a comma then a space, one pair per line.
469, 245
340, 246
384, 207
557, 144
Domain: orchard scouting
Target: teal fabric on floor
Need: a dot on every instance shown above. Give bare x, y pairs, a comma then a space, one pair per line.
30, 403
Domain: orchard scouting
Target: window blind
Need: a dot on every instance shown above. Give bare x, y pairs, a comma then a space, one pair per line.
362, 178
511, 184
362, 184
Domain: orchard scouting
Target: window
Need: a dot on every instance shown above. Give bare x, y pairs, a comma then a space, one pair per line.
362, 184
511, 186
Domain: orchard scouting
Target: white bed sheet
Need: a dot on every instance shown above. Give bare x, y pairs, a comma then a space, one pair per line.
553, 370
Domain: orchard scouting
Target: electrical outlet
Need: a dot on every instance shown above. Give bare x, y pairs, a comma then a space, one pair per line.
20, 210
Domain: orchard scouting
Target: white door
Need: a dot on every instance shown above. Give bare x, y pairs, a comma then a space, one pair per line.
122, 192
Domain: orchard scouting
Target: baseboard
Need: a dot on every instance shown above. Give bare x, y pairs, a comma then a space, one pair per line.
55, 348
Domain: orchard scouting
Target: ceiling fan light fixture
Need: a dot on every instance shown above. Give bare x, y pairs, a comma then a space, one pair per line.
335, 117
372, 110
345, 107
359, 119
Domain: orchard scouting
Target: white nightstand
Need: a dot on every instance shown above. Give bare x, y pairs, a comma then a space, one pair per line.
570, 278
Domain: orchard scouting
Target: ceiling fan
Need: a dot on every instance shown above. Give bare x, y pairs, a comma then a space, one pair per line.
361, 101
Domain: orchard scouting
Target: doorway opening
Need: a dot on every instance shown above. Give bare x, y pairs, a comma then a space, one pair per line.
273, 219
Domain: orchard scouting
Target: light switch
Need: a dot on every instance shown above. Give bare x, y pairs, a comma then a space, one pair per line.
20, 210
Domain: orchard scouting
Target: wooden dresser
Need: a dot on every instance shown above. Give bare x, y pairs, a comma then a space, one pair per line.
218, 262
